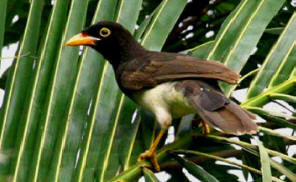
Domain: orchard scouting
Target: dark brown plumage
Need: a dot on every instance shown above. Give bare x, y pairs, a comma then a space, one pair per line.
216, 109
168, 84
154, 68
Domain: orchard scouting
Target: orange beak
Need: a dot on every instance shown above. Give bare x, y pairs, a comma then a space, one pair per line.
82, 39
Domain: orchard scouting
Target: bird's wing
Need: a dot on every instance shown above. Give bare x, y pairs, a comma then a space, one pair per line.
163, 67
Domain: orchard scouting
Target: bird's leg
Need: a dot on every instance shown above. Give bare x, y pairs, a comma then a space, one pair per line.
151, 152
206, 128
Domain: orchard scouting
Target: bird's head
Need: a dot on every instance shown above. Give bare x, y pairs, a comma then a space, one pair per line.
111, 39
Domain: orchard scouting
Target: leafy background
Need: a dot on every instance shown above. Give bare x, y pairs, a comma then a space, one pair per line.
63, 117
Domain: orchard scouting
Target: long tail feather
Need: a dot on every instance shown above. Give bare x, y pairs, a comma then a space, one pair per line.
230, 119
217, 110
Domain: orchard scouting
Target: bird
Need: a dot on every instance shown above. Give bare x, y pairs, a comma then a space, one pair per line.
170, 85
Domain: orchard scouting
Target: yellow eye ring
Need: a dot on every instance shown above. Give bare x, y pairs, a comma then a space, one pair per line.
105, 32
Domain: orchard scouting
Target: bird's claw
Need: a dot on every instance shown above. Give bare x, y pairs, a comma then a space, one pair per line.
206, 128
152, 156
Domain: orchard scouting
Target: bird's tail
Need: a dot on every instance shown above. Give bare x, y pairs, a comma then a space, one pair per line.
230, 119
217, 110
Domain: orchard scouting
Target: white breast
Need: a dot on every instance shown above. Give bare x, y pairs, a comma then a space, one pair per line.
165, 102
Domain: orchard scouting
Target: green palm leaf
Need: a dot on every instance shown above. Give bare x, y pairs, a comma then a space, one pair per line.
64, 118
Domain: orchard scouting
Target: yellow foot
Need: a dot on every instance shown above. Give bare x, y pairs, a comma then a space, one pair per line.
206, 128
152, 156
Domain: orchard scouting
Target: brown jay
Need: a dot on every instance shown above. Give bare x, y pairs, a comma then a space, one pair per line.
169, 85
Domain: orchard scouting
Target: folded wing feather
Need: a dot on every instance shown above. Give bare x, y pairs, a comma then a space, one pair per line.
165, 67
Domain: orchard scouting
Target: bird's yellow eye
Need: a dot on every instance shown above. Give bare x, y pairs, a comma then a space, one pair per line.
105, 32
